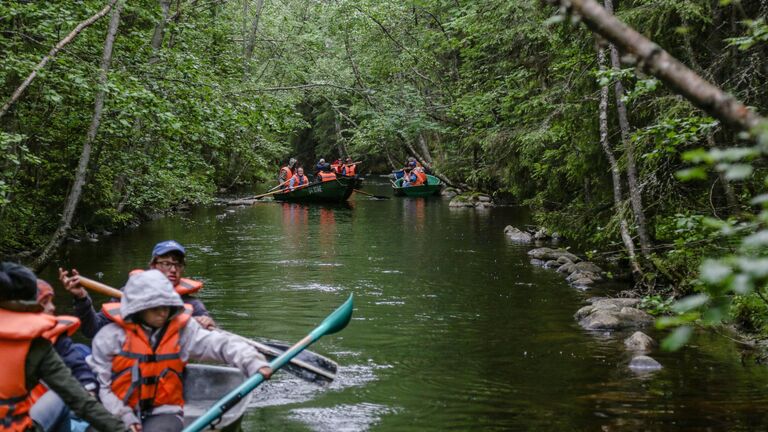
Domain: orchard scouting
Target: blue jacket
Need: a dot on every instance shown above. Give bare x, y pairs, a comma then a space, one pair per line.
75, 361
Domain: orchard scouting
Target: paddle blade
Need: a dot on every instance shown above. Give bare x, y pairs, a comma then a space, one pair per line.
339, 319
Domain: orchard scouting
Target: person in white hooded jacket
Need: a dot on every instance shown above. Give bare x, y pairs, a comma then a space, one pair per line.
140, 357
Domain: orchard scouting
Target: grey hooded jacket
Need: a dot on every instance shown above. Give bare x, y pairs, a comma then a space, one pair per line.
151, 289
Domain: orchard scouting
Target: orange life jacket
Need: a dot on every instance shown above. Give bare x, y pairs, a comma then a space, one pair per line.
299, 181
326, 176
144, 378
64, 324
350, 170
421, 177
336, 167
287, 171
184, 287
16, 334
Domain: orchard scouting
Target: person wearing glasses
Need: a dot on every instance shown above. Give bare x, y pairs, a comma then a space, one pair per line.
169, 258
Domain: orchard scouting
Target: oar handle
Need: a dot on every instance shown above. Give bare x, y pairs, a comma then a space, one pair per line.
100, 287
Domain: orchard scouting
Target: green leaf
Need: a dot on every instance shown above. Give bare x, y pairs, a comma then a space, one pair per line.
690, 302
688, 174
677, 338
714, 272
738, 172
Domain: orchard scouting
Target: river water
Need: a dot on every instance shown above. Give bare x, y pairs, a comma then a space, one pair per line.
453, 329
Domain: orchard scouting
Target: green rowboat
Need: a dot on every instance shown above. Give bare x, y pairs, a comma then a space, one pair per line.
335, 191
432, 187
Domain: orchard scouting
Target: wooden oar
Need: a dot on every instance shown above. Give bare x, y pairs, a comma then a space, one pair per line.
333, 323
281, 184
267, 194
309, 366
370, 194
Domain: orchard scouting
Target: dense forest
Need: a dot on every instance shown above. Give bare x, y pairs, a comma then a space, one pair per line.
157, 103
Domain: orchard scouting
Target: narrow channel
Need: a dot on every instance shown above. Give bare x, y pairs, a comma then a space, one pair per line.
453, 328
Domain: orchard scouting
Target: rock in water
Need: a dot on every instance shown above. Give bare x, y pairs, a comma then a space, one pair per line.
640, 341
518, 236
643, 363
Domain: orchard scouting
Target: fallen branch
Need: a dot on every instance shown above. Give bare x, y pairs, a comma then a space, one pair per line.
80, 27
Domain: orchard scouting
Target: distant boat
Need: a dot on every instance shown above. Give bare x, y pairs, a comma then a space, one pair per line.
334, 191
432, 187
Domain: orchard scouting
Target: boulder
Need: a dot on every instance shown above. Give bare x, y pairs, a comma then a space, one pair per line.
583, 282
643, 363
484, 199
562, 259
537, 262
612, 314
588, 266
551, 264
566, 268
581, 275
460, 201
640, 341
518, 236
449, 192
541, 234
540, 253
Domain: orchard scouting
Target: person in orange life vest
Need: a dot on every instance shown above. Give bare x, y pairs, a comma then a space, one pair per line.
349, 169
140, 357
49, 411
336, 166
168, 257
28, 358
326, 174
319, 167
286, 173
298, 179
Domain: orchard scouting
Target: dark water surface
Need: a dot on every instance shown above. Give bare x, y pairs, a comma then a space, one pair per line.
453, 328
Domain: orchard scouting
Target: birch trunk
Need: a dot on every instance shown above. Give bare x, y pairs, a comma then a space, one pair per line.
635, 194
251, 44
73, 198
626, 238
157, 36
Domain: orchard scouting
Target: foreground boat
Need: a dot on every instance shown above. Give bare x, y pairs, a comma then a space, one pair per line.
334, 191
432, 187
206, 384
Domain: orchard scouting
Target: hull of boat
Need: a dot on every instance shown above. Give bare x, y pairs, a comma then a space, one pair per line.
334, 191
433, 187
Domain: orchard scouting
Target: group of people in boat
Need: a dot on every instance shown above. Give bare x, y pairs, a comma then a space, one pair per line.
130, 379
292, 176
413, 174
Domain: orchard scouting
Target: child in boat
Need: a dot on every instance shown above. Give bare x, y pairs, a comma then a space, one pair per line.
28, 358
168, 257
140, 357
49, 411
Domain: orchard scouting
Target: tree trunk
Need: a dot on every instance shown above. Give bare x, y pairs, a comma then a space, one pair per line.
52, 53
157, 36
626, 238
424, 148
251, 44
635, 194
663, 66
73, 198
339, 139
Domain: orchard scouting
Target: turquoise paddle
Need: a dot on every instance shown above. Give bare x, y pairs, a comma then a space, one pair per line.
333, 323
